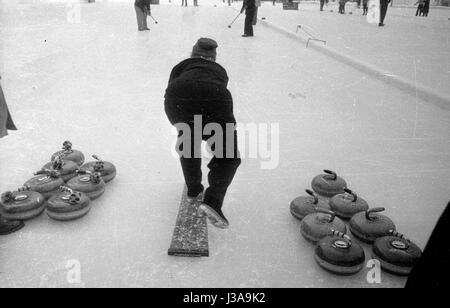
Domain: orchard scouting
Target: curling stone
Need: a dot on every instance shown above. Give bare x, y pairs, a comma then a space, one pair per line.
318, 225
368, 226
46, 182
68, 153
21, 204
396, 254
305, 205
338, 254
90, 183
106, 169
348, 204
68, 205
67, 169
328, 184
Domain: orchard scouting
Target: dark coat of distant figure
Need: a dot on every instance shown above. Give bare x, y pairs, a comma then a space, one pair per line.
249, 6
6, 122
142, 8
383, 11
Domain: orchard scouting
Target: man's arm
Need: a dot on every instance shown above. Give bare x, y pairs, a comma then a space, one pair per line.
244, 6
148, 10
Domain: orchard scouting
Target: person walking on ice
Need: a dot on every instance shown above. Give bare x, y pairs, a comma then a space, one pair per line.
197, 99
365, 4
249, 6
142, 8
383, 11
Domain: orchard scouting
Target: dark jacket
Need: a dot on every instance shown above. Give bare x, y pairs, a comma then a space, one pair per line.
426, 6
6, 122
249, 6
198, 86
143, 4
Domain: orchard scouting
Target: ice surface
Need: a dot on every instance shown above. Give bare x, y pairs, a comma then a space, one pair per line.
100, 83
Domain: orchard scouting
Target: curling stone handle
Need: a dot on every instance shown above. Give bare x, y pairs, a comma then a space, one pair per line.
374, 210
311, 193
83, 172
397, 234
43, 171
24, 188
351, 192
97, 158
340, 234
325, 211
67, 146
66, 189
49, 173
331, 173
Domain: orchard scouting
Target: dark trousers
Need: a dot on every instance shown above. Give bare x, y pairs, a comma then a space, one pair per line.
184, 2
220, 176
248, 27
224, 164
365, 8
341, 8
383, 10
419, 11
322, 3
141, 17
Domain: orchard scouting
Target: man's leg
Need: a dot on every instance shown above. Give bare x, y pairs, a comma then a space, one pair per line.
144, 20
383, 11
248, 29
139, 17
222, 171
191, 165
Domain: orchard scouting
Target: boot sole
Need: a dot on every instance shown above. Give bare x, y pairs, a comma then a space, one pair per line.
213, 217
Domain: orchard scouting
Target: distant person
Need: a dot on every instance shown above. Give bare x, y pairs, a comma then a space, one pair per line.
184, 3
419, 11
195, 3
6, 123
322, 3
198, 88
383, 11
249, 7
426, 8
432, 270
365, 4
142, 8
342, 6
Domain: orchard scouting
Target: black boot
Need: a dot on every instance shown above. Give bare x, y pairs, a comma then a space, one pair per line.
215, 216
10, 226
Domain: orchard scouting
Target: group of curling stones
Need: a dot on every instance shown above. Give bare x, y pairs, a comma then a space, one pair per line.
63, 188
325, 224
